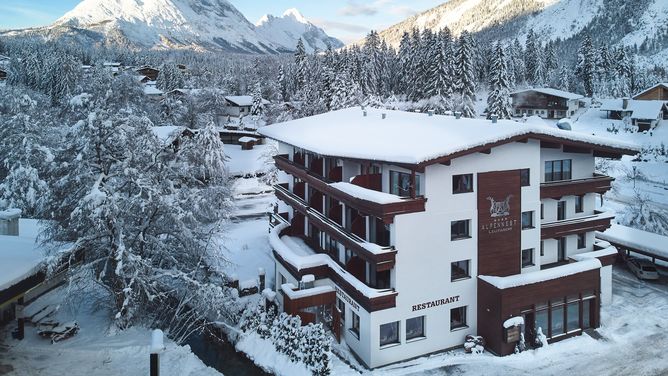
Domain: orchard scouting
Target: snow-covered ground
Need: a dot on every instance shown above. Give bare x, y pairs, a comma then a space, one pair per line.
95, 350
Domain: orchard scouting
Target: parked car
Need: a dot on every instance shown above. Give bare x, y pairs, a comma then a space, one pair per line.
642, 268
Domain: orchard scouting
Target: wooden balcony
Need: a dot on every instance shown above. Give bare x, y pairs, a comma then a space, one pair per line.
321, 272
384, 211
576, 187
370, 181
596, 222
383, 260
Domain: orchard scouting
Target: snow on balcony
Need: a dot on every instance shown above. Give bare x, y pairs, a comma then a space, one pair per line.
301, 256
290, 290
366, 194
524, 279
608, 251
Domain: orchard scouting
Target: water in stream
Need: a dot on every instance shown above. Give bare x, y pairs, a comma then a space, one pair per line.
222, 356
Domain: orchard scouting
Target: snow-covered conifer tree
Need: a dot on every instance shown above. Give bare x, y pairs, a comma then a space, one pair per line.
498, 101
464, 73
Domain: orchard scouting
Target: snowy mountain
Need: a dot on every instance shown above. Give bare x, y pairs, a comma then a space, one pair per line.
286, 30
641, 23
197, 24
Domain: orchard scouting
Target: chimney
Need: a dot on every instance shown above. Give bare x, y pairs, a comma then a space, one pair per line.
383, 115
625, 103
458, 114
494, 118
9, 222
430, 112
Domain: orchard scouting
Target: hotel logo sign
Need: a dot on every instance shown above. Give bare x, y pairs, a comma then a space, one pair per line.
498, 211
499, 208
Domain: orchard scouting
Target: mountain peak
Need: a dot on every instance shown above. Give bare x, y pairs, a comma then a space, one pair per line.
296, 14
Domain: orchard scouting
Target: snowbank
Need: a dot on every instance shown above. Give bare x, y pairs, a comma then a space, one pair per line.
541, 275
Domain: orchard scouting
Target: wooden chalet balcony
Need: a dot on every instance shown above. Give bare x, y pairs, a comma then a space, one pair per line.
382, 257
556, 189
597, 222
320, 183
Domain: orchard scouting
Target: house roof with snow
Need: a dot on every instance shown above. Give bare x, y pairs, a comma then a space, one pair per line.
660, 84
419, 139
640, 109
550, 91
20, 256
168, 133
152, 90
242, 100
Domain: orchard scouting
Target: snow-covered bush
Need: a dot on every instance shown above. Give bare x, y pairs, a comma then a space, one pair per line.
315, 349
285, 334
541, 339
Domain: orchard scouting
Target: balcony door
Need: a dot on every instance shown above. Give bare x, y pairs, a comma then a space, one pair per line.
561, 249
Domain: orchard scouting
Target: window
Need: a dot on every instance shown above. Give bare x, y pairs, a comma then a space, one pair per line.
573, 316
415, 328
342, 309
542, 249
542, 211
458, 318
524, 177
527, 220
462, 183
582, 241
542, 321
561, 249
561, 210
355, 326
389, 333
283, 280
557, 170
459, 270
400, 184
579, 204
348, 256
557, 320
459, 229
527, 257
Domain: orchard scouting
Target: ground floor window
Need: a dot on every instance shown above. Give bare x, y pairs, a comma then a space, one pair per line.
389, 333
415, 328
564, 315
458, 318
355, 324
342, 309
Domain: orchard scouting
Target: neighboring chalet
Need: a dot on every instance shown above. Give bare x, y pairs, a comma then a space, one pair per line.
403, 234
239, 105
149, 72
547, 103
22, 267
657, 92
172, 136
113, 67
644, 114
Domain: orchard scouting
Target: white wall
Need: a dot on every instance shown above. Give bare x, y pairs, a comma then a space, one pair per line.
606, 285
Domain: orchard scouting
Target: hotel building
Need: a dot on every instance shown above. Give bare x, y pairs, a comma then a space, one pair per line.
404, 232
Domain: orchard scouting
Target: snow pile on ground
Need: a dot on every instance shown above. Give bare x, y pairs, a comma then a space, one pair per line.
94, 350
263, 353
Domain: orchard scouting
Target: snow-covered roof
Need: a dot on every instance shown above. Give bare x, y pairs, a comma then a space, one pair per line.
640, 109
289, 290
245, 139
20, 256
9, 214
167, 133
152, 90
411, 138
542, 275
638, 239
243, 100
662, 84
551, 91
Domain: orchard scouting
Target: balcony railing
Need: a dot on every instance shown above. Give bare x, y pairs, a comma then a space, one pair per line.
597, 222
385, 211
575, 187
383, 257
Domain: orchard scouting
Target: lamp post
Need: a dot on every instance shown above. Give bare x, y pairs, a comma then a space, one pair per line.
157, 347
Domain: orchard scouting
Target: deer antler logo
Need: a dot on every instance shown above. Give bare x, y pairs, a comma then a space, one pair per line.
499, 208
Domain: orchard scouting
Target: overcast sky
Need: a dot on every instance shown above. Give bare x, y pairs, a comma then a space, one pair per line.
347, 20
